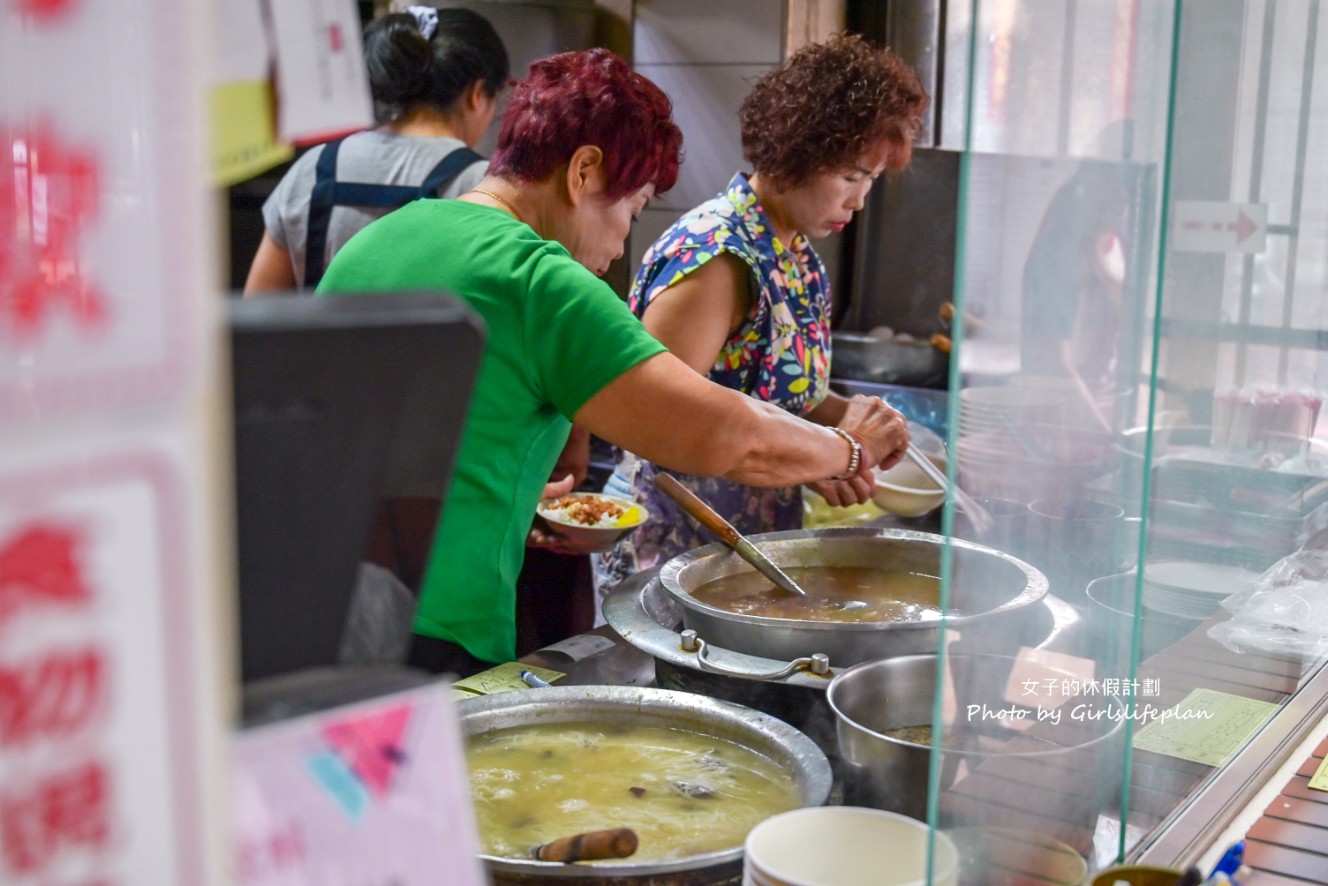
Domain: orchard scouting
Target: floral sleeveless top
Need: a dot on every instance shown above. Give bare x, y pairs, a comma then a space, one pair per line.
780, 354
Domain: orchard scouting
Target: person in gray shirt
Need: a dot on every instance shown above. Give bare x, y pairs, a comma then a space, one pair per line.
435, 76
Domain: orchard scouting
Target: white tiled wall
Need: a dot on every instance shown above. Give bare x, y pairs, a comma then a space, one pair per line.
705, 55
708, 32
706, 99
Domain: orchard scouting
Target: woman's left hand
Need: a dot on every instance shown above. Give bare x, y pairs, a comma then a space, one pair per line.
843, 493
541, 536
558, 488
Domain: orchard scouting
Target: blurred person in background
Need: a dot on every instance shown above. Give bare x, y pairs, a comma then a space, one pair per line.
435, 76
1073, 288
735, 290
585, 143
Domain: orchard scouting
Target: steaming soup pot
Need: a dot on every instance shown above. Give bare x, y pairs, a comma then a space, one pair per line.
986, 585
773, 739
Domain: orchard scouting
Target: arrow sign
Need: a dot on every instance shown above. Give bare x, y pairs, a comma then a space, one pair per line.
1215, 226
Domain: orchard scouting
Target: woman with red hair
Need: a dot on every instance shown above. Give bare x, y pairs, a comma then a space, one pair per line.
585, 143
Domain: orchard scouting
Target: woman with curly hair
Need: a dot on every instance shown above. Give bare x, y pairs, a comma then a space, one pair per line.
736, 291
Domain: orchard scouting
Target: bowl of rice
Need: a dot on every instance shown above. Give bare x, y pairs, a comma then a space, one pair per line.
591, 520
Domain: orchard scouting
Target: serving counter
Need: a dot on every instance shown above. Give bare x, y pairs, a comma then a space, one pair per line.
1148, 798
1134, 393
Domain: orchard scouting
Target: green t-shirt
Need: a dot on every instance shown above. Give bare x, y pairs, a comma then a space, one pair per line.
556, 335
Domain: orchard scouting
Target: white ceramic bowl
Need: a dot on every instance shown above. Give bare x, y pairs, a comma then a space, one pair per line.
594, 538
1005, 855
906, 491
845, 846
926, 439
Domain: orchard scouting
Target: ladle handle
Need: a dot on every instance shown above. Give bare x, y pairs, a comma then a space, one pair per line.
704, 514
711, 520
612, 843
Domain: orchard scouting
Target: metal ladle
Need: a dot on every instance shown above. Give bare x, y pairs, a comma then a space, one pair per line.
711, 520
979, 515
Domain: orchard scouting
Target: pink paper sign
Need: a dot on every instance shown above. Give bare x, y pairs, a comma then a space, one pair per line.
370, 793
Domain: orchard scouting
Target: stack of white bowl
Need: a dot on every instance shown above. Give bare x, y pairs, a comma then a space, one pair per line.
1186, 589
1003, 431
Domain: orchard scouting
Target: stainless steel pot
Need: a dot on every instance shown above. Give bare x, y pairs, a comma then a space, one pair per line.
650, 620
984, 584
1111, 617
762, 733
888, 361
1041, 772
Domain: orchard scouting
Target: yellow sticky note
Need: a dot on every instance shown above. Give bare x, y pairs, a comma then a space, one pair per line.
243, 134
1206, 727
504, 678
1320, 780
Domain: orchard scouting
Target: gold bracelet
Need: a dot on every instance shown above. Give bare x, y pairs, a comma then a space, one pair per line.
854, 458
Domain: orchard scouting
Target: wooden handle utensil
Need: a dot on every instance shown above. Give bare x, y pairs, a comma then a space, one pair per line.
611, 843
710, 519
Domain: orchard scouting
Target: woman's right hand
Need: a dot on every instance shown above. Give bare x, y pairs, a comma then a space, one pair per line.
881, 430
855, 490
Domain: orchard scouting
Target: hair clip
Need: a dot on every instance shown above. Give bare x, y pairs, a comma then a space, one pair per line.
426, 19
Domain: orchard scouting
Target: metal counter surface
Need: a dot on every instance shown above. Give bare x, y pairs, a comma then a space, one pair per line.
625, 665
622, 665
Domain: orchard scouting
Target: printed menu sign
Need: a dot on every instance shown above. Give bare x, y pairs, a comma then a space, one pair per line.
89, 578
1206, 727
96, 208
110, 699
506, 677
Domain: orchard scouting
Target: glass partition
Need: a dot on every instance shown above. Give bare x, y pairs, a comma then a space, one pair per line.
1140, 294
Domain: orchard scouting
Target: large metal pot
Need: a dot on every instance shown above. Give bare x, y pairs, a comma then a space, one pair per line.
984, 584
1111, 618
760, 732
650, 620
889, 360
1049, 770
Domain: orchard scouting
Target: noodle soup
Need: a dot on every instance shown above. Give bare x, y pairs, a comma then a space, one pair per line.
834, 593
684, 793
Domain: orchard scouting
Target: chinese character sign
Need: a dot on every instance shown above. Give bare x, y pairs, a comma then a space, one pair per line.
95, 280
110, 743
86, 774
48, 197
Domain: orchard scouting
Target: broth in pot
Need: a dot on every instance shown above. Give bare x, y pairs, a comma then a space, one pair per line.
834, 593
684, 793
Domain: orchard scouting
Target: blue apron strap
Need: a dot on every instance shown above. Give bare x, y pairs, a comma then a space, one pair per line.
329, 193
447, 169
321, 201
377, 196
